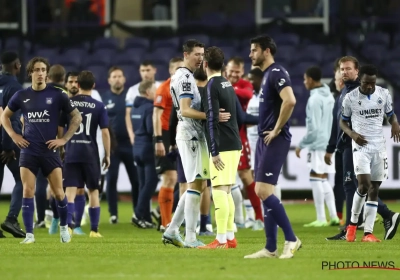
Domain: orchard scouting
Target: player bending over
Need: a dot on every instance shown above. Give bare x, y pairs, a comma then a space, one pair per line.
365, 108
41, 105
81, 163
276, 106
225, 147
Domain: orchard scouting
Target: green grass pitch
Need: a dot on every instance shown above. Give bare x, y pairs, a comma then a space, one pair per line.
127, 252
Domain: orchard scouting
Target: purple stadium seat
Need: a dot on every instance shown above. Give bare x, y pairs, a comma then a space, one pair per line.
162, 72
172, 43
354, 38
242, 20
101, 57
297, 70
12, 44
127, 58
377, 38
218, 42
311, 53
137, 42
67, 62
131, 74
49, 54
214, 20
327, 70
285, 54
390, 56
244, 53
287, 39
75, 56
375, 53
160, 56
106, 43
200, 37
100, 73
229, 52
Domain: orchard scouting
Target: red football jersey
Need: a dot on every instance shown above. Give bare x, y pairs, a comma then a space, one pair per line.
244, 91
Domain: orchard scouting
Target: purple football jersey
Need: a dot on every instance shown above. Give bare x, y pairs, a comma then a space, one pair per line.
275, 79
82, 147
41, 112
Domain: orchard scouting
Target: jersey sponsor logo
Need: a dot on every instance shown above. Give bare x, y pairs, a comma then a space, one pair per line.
186, 87
380, 101
83, 104
276, 69
110, 104
281, 82
35, 117
49, 100
26, 100
159, 99
226, 84
371, 113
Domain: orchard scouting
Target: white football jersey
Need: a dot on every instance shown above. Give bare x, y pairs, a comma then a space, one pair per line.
133, 91
366, 113
253, 109
183, 85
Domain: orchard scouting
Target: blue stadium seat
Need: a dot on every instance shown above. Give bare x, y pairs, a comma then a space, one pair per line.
137, 42
200, 37
106, 43
287, 39
172, 43
160, 56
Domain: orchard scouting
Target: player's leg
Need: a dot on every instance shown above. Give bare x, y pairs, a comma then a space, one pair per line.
166, 194
363, 172
318, 197
338, 189
127, 158
267, 174
112, 178
51, 168
41, 199
91, 174
236, 193
80, 203
1, 182
28, 176
55, 221
205, 203
11, 224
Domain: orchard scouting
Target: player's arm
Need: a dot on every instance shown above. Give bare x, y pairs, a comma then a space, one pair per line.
105, 135
1, 112
128, 123
15, 122
313, 121
187, 112
156, 119
344, 122
392, 118
74, 123
6, 122
173, 123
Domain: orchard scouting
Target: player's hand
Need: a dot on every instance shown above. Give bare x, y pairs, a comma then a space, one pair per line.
218, 163
328, 158
224, 117
56, 143
270, 135
7, 156
62, 153
297, 151
395, 132
160, 149
359, 139
173, 148
105, 163
20, 141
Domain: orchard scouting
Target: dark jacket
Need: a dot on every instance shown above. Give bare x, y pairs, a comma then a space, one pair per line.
142, 120
340, 140
9, 85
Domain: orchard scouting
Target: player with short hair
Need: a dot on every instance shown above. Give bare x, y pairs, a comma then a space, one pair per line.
276, 106
365, 108
318, 123
143, 150
41, 105
81, 163
10, 153
192, 146
349, 68
115, 101
164, 165
244, 90
224, 146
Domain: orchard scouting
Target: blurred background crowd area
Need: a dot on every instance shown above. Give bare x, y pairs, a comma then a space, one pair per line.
97, 34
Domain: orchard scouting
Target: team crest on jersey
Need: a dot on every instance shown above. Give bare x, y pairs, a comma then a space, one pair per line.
380, 101
282, 82
359, 103
348, 176
159, 98
205, 172
49, 100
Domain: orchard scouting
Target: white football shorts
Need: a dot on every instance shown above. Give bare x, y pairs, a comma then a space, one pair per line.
375, 164
195, 159
316, 163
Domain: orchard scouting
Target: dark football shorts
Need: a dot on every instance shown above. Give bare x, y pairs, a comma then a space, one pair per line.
79, 174
34, 163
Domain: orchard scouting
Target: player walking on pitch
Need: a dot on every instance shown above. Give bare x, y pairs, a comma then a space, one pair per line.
365, 107
40, 106
276, 106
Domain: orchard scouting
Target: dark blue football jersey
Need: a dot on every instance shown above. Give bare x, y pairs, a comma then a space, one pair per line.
41, 112
82, 147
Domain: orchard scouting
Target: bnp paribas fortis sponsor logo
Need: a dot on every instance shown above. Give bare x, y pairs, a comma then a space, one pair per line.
367, 264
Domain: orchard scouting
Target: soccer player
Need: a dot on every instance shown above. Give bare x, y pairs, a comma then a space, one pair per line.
162, 110
114, 99
192, 146
10, 153
81, 163
244, 90
41, 106
225, 148
276, 106
365, 108
143, 150
147, 72
318, 123
349, 68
